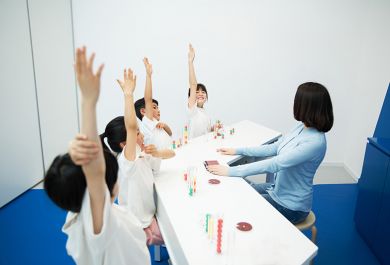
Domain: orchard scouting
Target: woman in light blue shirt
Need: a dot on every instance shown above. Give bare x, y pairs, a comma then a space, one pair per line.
294, 158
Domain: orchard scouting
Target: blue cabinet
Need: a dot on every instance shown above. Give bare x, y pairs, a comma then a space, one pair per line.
372, 214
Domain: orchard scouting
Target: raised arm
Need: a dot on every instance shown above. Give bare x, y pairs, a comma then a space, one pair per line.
89, 83
148, 90
192, 77
128, 87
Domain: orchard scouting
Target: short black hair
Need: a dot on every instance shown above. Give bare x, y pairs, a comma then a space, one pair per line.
139, 104
65, 182
115, 132
199, 86
313, 106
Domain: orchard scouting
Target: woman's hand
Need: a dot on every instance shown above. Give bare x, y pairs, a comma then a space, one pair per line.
226, 151
218, 170
82, 151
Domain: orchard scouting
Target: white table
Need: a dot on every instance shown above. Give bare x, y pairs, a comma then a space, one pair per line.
273, 239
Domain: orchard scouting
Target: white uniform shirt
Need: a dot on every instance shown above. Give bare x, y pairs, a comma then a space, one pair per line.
136, 186
199, 121
121, 240
153, 135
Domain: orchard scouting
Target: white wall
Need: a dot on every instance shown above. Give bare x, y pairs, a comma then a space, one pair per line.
251, 55
21, 161
52, 42
38, 94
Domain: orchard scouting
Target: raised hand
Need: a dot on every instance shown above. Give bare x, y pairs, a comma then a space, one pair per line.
82, 151
148, 66
191, 54
89, 82
227, 151
128, 83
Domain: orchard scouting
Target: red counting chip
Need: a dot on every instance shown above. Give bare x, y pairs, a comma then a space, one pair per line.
214, 181
244, 226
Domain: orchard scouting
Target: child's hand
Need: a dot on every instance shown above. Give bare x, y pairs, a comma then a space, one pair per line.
82, 151
227, 151
89, 82
191, 54
151, 149
128, 83
148, 67
218, 170
160, 125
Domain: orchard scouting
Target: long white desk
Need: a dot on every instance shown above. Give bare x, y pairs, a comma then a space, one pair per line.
273, 239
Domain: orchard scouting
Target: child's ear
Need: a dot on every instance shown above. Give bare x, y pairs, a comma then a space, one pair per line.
143, 112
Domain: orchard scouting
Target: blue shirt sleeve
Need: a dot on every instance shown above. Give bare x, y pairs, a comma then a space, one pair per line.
305, 151
260, 151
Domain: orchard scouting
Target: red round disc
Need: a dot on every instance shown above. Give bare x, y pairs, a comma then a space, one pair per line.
244, 226
214, 181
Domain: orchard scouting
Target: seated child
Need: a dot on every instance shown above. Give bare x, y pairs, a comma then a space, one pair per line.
199, 121
137, 163
99, 232
155, 132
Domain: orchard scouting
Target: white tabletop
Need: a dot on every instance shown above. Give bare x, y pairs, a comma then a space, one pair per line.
182, 218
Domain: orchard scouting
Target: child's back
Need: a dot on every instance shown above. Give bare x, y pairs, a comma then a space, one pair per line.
121, 240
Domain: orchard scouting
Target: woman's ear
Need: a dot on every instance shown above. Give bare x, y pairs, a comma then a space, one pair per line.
143, 111
122, 144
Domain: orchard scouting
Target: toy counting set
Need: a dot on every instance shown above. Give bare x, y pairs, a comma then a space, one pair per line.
190, 178
179, 143
219, 130
213, 227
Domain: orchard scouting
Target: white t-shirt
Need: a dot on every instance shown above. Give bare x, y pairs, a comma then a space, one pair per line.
153, 135
199, 122
136, 183
121, 240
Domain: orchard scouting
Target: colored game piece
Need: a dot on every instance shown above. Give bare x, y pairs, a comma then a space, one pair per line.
219, 235
244, 226
214, 181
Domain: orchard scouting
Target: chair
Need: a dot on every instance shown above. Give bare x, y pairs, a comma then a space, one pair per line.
157, 252
309, 223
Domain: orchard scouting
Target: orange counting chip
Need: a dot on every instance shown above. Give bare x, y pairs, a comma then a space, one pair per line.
244, 226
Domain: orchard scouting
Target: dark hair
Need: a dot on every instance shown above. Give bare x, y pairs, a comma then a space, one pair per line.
65, 182
313, 106
139, 104
116, 133
199, 87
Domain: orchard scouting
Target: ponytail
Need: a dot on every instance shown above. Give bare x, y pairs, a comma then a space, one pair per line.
102, 136
115, 133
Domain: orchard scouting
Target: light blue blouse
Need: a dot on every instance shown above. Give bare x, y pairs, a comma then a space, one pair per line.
295, 159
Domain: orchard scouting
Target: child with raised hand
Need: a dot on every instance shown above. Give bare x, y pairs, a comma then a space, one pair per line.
148, 113
199, 121
137, 170
99, 232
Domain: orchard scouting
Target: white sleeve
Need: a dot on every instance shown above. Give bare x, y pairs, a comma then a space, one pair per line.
148, 123
191, 111
127, 167
154, 163
98, 242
